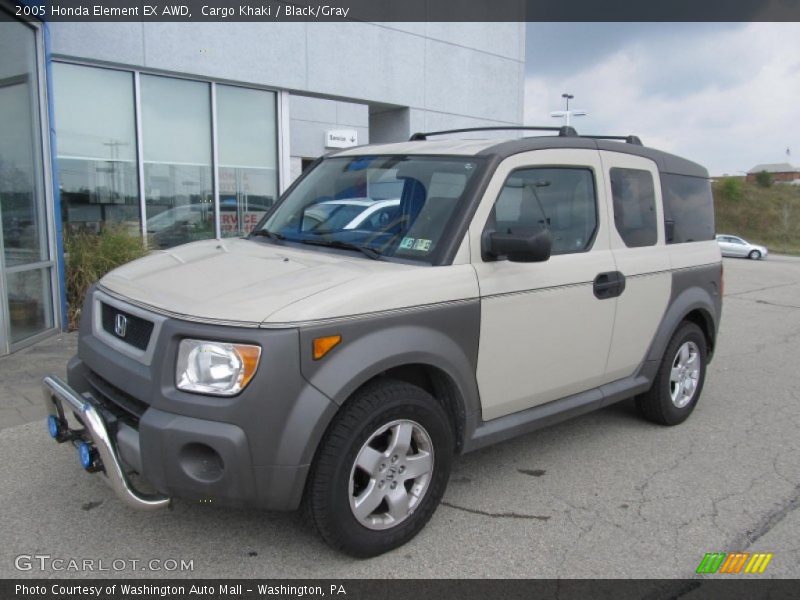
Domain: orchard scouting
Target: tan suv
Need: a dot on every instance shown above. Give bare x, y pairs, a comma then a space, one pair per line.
515, 284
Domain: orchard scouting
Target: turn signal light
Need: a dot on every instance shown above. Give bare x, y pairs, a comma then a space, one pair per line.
325, 344
249, 356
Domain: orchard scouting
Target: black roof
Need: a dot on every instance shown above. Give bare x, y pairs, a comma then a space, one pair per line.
667, 163
568, 137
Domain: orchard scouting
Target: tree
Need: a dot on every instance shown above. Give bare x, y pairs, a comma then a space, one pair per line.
732, 188
764, 179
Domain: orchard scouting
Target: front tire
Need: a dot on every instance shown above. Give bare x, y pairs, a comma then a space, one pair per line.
381, 469
680, 378
754, 255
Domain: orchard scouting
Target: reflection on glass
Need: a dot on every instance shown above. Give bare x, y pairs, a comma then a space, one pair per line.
176, 134
247, 148
21, 197
29, 305
96, 146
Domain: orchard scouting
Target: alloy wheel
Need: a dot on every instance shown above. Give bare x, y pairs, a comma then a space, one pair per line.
685, 374
391, 474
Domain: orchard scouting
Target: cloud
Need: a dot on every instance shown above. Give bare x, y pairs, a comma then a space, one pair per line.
727, 97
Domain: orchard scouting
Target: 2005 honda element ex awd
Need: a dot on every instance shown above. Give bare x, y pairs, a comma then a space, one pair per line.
340, 361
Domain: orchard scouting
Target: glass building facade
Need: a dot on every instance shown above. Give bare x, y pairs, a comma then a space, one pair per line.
174, 159
177, 133
27, 270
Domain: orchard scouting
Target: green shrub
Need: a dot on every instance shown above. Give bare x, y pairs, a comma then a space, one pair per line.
89, 255
763, 179
731, 188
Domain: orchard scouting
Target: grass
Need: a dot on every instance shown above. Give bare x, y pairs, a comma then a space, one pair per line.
763, 215
89, 255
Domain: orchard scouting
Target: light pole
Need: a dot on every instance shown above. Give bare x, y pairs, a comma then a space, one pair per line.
567, 114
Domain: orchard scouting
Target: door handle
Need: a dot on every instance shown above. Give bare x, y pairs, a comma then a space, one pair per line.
609, 285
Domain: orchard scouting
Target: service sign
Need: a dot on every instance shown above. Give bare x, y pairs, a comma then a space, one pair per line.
341, 138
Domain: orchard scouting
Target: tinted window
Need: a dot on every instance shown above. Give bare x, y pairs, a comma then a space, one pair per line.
688, 208
565, 195
399, 206
634, 206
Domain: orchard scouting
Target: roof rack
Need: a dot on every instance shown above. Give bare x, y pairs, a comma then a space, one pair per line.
564, 131
628, 139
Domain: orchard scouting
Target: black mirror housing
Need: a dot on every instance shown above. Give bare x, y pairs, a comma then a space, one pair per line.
520, 247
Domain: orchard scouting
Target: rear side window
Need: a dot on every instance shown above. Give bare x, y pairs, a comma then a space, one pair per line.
688, 208
565, 195
634, 198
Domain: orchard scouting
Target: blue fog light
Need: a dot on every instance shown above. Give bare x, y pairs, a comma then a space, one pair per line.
85, 455
53, 426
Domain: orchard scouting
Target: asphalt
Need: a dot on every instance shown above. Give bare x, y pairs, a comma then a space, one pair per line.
21, 376
603, 495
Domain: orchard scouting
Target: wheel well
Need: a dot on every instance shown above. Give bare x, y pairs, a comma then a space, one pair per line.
703, 320
439, 385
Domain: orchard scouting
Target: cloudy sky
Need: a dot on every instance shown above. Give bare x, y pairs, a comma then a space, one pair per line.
724, 95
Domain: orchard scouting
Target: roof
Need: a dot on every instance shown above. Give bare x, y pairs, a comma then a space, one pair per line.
774, 168
457, 147
500, 148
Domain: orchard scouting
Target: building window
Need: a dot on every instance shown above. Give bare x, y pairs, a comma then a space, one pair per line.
96, 132
248, 157
634, 198
99, 167
176, 134
564, 195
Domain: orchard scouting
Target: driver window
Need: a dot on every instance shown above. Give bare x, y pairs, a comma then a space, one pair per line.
560, 198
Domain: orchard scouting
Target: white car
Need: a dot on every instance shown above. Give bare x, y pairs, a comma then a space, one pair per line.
351, 213
730, 245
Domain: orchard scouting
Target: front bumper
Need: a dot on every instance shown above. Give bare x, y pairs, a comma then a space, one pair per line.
95, 432
251, 450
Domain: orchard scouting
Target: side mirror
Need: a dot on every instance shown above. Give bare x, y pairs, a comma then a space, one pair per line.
519, 247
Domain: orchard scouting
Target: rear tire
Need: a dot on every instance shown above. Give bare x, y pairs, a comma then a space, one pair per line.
754, 255
679, 381
381, 469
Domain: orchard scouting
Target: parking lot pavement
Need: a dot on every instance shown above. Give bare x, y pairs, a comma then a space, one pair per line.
603, 495
21, 378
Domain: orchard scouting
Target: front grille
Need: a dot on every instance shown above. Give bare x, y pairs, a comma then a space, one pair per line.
136, 331
119, 403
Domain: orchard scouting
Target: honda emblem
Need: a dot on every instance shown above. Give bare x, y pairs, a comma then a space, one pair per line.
121, 325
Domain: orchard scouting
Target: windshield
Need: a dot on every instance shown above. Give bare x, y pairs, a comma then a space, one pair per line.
383, 206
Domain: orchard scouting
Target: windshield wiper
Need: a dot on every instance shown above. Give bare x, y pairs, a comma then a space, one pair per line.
268, 234
368, 252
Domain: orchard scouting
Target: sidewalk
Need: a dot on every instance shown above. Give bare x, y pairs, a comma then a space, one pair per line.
21, 376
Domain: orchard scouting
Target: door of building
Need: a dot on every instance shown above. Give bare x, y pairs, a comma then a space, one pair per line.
26, 265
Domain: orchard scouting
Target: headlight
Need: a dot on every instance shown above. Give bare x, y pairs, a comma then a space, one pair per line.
215, 368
